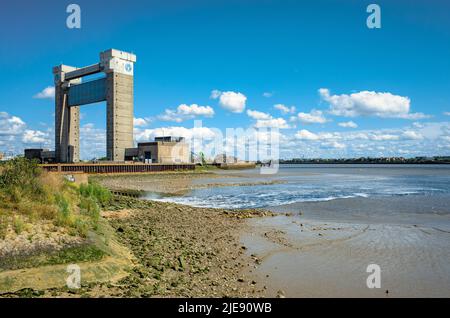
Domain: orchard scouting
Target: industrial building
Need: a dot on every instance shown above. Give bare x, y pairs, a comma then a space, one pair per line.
164, 150
115, 86
41, 155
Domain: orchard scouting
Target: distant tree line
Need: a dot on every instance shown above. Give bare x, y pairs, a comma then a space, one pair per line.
373, 160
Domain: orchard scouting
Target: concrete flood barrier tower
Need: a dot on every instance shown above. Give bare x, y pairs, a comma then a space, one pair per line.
116, 88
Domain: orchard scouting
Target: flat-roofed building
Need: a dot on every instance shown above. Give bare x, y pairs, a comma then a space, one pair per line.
167, 149
42, 155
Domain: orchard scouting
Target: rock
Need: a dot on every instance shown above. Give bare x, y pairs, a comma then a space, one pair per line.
280, 294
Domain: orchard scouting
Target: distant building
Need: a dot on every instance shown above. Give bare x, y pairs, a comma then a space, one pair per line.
223, 158
167, 149
42, 155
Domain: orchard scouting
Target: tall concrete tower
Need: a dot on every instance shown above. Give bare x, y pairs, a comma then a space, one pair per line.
115, 87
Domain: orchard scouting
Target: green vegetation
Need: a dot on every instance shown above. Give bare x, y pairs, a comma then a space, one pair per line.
29, 194
68, 255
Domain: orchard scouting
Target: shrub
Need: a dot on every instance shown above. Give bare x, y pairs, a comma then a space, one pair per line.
19, 224
102, 195
89, 207
20, 177
64, 216
32, 194
4, 223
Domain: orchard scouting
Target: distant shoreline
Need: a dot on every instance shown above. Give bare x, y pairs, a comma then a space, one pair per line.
364, 163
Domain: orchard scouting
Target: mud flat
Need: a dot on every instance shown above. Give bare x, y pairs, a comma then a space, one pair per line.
175, 250
322, 253
177, 183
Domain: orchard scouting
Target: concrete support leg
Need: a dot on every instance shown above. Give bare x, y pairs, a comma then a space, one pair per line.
119, 115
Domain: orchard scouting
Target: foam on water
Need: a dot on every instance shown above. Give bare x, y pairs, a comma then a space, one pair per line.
299, 186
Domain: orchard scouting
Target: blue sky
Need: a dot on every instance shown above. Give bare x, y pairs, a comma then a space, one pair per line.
356, 91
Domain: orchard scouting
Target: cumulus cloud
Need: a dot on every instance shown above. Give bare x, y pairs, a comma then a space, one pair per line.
231, 101
428, 139
285, 109
411, 135
348, 124
35, 137
273, 123
177, 131
313, 117
14, 135
10, 125
369, 103
333, 144
141, 122
306, 135
46, 93
92, 142
383, 137
185, 112
265, 120
258, 115
215, 94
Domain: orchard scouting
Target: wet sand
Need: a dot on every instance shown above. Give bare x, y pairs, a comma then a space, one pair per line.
323, 249
314, 254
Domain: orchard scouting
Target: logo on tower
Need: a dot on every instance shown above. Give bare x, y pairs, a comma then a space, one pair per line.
128, 67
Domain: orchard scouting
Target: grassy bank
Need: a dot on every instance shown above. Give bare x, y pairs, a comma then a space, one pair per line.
44, 219
174, 250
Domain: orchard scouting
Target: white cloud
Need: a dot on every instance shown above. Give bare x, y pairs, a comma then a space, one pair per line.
383, 137
140, 122
333, 144
185, 112
10, 125
34, 137
285, 109
92, 142
215, 94
314, 117
411, 135
267, 94
231, 101
273, 123
195, 110
306, 135
265, 120
370, 103
348, 124
428, 139
258, 115
447, 113
176, 131
46, 93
